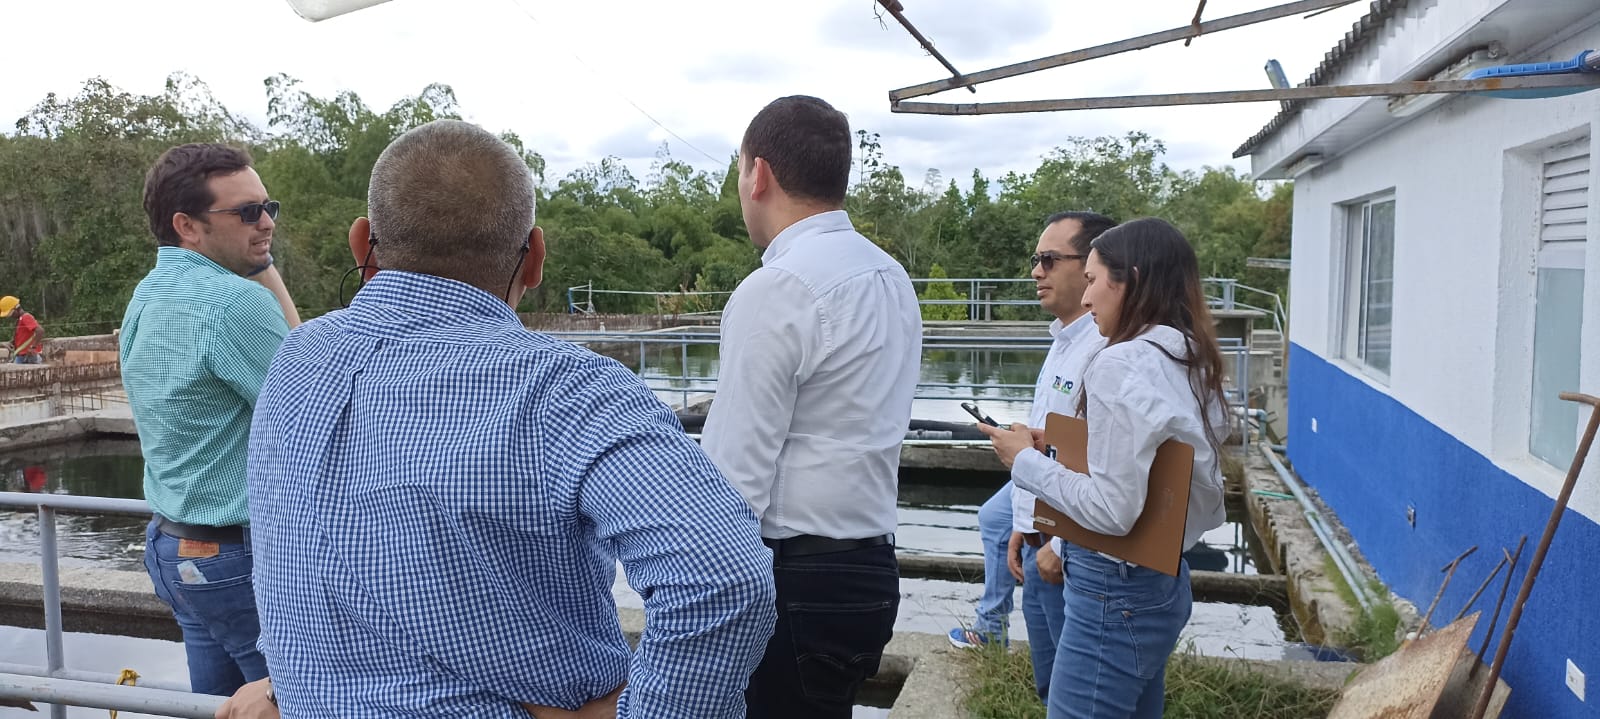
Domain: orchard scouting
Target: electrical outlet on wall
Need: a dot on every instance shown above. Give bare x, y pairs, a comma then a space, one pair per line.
1575, 679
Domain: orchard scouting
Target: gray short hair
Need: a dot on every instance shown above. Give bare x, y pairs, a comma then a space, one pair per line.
452, 200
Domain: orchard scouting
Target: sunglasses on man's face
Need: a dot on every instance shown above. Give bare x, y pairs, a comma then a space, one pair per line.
251, 213
1049, 260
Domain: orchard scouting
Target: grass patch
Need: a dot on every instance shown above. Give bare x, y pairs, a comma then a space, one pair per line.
1201, 689
1374, 635
1000, 686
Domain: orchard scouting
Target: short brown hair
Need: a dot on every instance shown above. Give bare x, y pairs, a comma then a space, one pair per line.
177, 183
807, 144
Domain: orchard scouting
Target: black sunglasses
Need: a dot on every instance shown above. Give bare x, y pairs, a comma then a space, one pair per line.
1049, 259
251, 213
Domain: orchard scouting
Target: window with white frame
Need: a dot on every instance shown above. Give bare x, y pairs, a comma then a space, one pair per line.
1369, 285
1558, 301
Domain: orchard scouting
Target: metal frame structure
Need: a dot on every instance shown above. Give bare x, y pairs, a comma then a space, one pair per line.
897, 98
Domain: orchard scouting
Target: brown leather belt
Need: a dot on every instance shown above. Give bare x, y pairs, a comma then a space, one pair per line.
200, 532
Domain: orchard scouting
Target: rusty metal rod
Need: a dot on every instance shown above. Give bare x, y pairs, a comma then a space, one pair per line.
898, 11
1450, 573
1195, 23
1544, 547
1317, 92
1115, 48
1511, 570
1481, 587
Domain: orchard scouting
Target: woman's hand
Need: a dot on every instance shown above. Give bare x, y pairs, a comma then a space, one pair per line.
1009, 442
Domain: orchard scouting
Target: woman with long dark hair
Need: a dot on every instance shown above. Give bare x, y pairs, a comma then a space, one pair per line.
1158, 378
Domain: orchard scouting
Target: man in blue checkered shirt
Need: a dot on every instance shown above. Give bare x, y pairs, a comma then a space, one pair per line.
439, 497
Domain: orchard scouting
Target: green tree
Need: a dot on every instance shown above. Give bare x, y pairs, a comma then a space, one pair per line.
941, 291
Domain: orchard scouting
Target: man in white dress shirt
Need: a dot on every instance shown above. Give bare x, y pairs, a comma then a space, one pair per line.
821, 350
1058, 276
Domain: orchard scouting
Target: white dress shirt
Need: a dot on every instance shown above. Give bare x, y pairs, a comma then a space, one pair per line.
1060, 380
821, 351
1138, 398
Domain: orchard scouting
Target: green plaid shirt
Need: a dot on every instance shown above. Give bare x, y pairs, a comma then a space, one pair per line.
195, 346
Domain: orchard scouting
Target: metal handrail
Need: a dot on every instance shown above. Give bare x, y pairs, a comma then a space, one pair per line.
979, 307
60, 693
58, 685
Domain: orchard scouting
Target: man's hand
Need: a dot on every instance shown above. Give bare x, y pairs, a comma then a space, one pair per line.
1049, 565
1009, 442
1014, 555
250, 702
603, 708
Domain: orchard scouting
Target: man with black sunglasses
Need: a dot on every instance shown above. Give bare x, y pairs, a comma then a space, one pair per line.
1006, 520
196, 341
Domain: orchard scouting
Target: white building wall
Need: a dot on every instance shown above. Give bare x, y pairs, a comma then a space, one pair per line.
1463, 265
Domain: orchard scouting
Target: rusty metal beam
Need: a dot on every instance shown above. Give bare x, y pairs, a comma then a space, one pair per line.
1196, 22
1115, 48
1586, 80
898, 11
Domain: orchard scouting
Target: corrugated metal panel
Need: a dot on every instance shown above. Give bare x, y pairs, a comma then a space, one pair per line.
1364, 29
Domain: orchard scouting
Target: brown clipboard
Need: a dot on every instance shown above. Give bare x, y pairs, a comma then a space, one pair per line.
1156, 540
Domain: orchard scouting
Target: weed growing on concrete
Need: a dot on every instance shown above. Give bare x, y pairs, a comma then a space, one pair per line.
1000, 686
1374, 635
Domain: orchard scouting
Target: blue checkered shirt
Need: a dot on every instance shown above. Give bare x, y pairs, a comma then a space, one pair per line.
439, 498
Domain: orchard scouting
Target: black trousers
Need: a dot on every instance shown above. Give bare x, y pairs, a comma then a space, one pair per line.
836, 613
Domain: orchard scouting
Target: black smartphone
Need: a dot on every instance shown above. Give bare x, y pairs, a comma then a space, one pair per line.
978, 414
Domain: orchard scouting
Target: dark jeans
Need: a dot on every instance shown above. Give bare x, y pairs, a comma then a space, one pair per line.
213, 599
836, 613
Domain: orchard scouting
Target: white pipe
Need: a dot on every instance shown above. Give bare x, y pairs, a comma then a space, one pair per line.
1341, 558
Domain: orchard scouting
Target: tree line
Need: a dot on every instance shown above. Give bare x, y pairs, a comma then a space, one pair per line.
76, 241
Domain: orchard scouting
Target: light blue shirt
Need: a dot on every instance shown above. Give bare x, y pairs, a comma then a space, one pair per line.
439, 498
195, 345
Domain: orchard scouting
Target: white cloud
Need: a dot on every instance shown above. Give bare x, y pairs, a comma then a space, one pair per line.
561, 74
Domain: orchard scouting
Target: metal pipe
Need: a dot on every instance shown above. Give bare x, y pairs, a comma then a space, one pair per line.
1341, 559
898, 11
50, 574
1539, 552
68, 692
1129, 45
1305, 92
73, 504
83, 676
1338, 549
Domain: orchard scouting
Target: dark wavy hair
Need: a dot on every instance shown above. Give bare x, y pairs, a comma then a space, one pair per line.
1161, 277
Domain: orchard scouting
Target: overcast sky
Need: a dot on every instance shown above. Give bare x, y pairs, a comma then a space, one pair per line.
563, 74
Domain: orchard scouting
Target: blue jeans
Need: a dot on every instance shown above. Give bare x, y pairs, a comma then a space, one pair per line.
1044, 606
994, 530
1122, 623
213, 599
28, 359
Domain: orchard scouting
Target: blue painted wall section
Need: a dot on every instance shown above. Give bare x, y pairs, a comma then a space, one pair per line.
1372, 457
